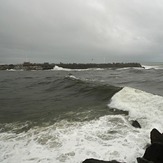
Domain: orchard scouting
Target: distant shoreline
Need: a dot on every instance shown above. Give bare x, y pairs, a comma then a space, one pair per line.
48, 66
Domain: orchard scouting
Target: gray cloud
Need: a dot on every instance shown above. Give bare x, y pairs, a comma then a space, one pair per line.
79, 31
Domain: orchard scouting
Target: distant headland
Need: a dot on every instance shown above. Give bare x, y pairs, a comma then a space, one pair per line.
48, 66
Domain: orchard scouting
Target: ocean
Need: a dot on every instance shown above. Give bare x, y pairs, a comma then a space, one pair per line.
67, 116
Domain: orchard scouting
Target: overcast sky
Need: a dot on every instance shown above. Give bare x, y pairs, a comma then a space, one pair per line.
81, 31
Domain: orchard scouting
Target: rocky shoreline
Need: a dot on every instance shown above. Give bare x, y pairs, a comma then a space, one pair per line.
153, 152
48, 66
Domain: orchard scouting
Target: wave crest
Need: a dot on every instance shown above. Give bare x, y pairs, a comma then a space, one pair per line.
143, 106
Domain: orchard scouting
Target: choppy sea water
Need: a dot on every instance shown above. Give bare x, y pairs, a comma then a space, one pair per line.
65, 115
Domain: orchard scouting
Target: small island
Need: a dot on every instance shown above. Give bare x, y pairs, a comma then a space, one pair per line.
48, 66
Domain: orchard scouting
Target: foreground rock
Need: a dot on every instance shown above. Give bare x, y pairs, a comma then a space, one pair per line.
135, 124
142, 160
91, 160
153, 153
156, 136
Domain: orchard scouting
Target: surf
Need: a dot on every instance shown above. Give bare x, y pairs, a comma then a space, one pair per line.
142, 106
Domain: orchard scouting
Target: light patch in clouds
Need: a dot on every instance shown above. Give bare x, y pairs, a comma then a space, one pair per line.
77, 30
97, 5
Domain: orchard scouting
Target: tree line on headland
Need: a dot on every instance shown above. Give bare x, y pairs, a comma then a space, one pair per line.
48, 66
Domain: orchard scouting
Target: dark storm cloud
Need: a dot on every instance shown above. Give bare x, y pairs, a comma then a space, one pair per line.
81, 31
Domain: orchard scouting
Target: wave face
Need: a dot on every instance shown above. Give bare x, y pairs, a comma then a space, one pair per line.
142, 106
63, 117
52, 98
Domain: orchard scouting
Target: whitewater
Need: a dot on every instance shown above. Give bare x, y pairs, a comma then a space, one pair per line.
70, 115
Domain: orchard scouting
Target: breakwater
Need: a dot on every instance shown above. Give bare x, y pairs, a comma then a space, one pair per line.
47, 66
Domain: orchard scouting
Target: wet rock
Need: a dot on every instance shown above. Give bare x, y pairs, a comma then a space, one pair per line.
136, 124
91, 160
156, 136
142, 160
154, 153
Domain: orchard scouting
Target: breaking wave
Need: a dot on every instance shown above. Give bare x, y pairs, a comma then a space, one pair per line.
57, 68
107, 137
142, 106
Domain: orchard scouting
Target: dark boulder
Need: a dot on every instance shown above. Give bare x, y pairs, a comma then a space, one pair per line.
135, 124
142, 160
156, 136
154, 153
91, 160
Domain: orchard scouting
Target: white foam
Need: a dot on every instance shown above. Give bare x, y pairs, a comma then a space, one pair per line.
97, 69
73, 77
107, 138
57, 68
145, 107
14, 70
11, 70
147, 67
130, 68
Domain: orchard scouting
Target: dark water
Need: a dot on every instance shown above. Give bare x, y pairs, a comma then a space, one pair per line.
47, 96
42, 96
